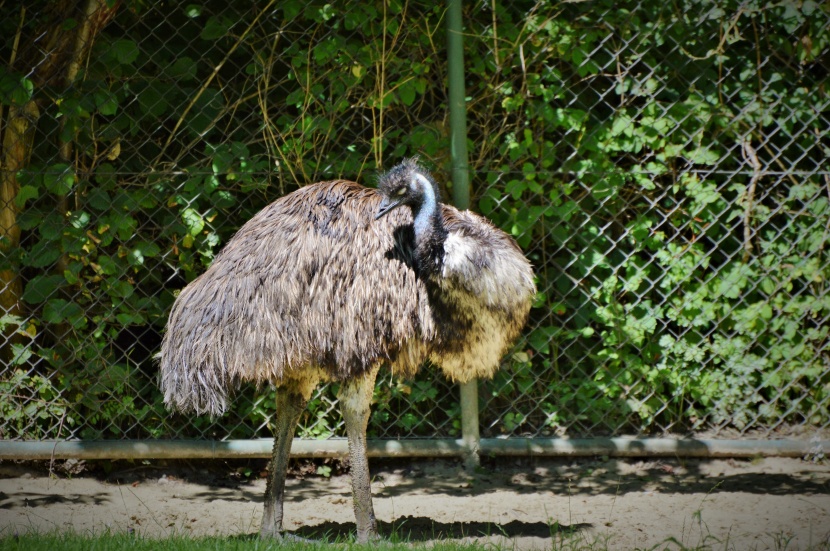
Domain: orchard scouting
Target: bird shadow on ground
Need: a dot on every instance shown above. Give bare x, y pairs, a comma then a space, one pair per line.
31, 499
415, 529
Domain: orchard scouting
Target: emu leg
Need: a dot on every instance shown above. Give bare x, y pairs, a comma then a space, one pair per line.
289, 407
355, 399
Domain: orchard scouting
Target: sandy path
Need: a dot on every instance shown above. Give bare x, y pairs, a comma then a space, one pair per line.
627, 504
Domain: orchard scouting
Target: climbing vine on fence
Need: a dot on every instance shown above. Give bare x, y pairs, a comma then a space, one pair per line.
662, 164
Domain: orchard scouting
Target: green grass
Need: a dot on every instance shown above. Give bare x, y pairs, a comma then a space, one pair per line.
562, 542
59, 541
119, 542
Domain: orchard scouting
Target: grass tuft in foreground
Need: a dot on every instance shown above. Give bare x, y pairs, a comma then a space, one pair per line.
125, 542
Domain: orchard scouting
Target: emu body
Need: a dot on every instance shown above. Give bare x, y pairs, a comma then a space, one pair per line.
330, 283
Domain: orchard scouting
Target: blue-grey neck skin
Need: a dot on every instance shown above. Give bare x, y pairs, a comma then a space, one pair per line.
426, 212
429, 227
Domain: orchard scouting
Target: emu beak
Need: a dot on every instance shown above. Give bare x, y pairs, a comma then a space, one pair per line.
387, 206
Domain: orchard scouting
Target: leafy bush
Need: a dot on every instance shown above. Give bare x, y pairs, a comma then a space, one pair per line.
680, 288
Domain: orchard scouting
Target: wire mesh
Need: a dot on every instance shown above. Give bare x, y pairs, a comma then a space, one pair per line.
663, 165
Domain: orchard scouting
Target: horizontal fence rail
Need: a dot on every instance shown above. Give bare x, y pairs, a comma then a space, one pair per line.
337, 448
664, 166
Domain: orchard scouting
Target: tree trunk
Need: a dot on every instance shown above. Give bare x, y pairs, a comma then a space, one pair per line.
17, 145
52, 60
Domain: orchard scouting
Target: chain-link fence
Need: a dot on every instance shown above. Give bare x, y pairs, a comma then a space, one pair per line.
664, 165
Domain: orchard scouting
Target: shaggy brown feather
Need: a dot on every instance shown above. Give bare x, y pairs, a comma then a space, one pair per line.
314, 288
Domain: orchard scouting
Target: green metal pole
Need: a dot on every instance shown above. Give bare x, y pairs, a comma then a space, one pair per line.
461, 198
458, 107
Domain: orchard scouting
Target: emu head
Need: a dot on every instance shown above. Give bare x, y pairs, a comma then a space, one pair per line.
405, 184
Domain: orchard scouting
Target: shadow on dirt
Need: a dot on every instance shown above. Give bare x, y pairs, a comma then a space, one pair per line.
584, 477
415, 529
30, 499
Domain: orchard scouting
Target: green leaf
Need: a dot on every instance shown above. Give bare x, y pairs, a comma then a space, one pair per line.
108, 265
148, 249
565, 211
406, 93
639, 229
193, 220
23, 92
216, 27
20, 354
99, 199
59, 178
183, 68
107, 102
79, 220
105, 176
135, 257
153, 99
124, 51
58, 310
193, 10
142, 250
205, 110
119, 289
608, 186
51, 227
622, 126
734, 281
44, 253
72, 274
124, 226
125, 318
222, 160
703, 156
515, 188
40, 288
222, 199
541, 337
30, 218
24, 194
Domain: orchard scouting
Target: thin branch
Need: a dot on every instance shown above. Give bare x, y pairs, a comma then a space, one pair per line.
16, 45
272, 134
207, 83
751, 157
55, 447
495, 37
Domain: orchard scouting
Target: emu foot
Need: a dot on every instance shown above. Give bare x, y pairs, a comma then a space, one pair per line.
284, 537
368, 537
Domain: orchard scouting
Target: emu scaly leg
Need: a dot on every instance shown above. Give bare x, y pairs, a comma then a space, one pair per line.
289, 407
355, 399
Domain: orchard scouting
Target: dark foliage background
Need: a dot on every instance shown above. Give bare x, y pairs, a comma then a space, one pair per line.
663, 164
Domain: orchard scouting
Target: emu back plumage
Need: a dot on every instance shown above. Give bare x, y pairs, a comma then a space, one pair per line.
314, 288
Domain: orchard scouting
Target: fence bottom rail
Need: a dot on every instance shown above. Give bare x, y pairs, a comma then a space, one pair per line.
448, 447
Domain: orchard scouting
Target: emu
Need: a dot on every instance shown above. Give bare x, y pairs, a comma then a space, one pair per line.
331, 282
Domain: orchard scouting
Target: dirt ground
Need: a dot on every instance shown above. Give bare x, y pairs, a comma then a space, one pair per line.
769, 503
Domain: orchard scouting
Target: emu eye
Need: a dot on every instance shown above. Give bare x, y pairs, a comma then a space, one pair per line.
401, 192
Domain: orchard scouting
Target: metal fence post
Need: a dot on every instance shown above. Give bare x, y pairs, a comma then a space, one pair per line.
461, 198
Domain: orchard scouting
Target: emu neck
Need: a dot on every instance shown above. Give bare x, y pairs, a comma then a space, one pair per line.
425, 216
429, 231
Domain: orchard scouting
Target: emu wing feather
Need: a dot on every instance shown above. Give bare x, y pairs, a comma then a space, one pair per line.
312, 283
